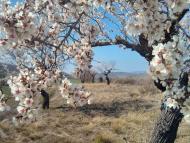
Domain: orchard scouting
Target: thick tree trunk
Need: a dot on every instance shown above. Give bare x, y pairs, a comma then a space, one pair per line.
166, 127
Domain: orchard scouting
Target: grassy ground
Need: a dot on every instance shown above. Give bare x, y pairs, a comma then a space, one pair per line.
121, 113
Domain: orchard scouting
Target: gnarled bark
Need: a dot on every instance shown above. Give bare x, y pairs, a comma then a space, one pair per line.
166, 127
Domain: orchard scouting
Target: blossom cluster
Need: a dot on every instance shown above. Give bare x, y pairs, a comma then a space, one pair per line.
24, 90
167, 66
150, 19
36, 24
46, 77
17, 24
75, 95
82, 55
169, 59
60, 17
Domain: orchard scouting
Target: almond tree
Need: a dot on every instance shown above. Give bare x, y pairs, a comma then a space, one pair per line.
36, 25
158, 30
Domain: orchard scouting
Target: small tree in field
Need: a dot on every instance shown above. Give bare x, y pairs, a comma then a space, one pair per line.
156, 29
106, 69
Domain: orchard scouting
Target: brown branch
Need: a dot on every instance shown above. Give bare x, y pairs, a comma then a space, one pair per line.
118, 41
141, 48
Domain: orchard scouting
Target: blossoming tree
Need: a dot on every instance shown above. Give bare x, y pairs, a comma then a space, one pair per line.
48, 32
158, 30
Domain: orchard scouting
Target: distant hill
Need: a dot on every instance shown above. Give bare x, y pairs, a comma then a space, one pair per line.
13, 69
124, 74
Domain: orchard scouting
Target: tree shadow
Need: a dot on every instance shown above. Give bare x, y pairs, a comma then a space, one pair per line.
115, 108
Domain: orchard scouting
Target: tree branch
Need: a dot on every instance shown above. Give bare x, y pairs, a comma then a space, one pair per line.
141, 48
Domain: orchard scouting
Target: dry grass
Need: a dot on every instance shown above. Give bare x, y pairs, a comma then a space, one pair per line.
121, 113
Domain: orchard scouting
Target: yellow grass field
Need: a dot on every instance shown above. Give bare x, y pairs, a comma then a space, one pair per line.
121, 113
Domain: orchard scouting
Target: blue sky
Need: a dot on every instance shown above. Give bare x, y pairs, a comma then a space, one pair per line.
126, 60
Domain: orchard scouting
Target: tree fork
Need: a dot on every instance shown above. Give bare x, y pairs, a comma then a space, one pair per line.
166, 127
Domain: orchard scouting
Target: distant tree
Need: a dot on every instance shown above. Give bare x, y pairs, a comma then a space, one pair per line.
101, 79
86, 76
93, 76
106, 69
106, 74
